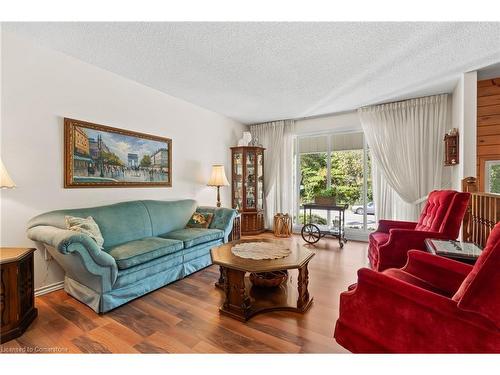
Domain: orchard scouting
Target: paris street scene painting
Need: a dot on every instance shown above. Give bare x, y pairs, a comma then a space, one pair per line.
103, 156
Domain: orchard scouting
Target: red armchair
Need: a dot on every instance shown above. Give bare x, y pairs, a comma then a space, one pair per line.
440, 218
432, 305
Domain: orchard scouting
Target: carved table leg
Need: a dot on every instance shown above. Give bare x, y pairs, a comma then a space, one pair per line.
303, 300
237, 303
220, 283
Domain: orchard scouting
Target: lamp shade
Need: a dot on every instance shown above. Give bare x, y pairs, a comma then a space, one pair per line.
5, 180
218, 176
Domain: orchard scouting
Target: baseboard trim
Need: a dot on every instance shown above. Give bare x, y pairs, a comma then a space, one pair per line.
49, 288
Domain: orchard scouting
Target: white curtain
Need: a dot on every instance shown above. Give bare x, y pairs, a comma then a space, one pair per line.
277, 138
388, 204
406, 145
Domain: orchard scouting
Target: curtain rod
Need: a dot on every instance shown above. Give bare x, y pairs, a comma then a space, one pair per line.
350, 111
309, 117
405, 100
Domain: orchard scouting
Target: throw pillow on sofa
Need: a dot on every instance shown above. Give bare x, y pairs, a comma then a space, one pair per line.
87, 226
200, 220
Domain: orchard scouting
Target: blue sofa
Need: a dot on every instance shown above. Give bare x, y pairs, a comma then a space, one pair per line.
146, 246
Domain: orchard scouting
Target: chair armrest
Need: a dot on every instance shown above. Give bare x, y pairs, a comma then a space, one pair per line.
412, 239
386, 284
386, 225
442, 273
393, 253
68, 242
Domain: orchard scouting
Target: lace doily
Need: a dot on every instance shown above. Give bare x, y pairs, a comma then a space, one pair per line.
261, 250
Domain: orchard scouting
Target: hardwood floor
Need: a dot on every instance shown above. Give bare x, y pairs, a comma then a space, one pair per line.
183, 317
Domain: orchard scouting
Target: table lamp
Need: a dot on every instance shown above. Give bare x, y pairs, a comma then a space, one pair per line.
218, 178
5, 180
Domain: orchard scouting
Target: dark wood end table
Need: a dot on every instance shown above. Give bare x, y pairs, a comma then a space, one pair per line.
466, 252
17, 293
242, 300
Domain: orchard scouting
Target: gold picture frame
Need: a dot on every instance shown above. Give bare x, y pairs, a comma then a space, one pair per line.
103, 156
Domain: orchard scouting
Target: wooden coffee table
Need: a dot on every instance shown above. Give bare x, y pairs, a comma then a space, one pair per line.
244, 300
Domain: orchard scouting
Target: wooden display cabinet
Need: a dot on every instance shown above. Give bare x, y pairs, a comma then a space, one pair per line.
451, 147
247, 191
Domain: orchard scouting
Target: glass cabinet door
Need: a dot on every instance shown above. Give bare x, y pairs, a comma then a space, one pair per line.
260, 180
238, 180
250, 193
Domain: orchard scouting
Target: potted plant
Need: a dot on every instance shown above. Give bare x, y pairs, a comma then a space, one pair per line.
327, 197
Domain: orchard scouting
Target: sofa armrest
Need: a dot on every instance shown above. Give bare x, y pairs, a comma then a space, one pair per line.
67, 242
442, 273
386, 225
223, 219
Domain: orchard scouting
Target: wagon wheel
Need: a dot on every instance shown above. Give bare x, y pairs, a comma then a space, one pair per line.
310, 233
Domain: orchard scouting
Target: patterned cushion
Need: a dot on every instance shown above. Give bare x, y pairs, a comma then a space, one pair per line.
200, 220
86, 226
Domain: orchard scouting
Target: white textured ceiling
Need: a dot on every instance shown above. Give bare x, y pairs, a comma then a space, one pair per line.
256, 72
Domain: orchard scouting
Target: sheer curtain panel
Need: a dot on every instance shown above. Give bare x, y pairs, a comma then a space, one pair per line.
406, 144
277, 138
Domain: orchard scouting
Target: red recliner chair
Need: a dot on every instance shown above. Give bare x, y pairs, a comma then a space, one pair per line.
440, 218
432, 305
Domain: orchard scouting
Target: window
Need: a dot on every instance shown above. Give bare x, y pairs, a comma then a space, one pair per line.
341, 161
492, 180
314, 174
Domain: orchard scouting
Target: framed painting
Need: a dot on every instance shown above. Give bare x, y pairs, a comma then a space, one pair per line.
102, 156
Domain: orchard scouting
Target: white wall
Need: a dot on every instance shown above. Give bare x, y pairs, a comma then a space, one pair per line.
40, 87
464, 114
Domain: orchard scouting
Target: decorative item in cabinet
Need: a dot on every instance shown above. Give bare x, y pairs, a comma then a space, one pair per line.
451, 147
247, 180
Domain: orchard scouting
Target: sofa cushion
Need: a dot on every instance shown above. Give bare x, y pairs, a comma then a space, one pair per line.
200, 250
194, 236
167, 216
142, 271
140, 251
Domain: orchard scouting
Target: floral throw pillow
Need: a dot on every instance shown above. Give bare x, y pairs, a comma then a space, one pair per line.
87, 226
200, 220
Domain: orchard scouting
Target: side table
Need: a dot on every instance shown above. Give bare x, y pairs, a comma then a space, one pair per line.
466, 252
17, 292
